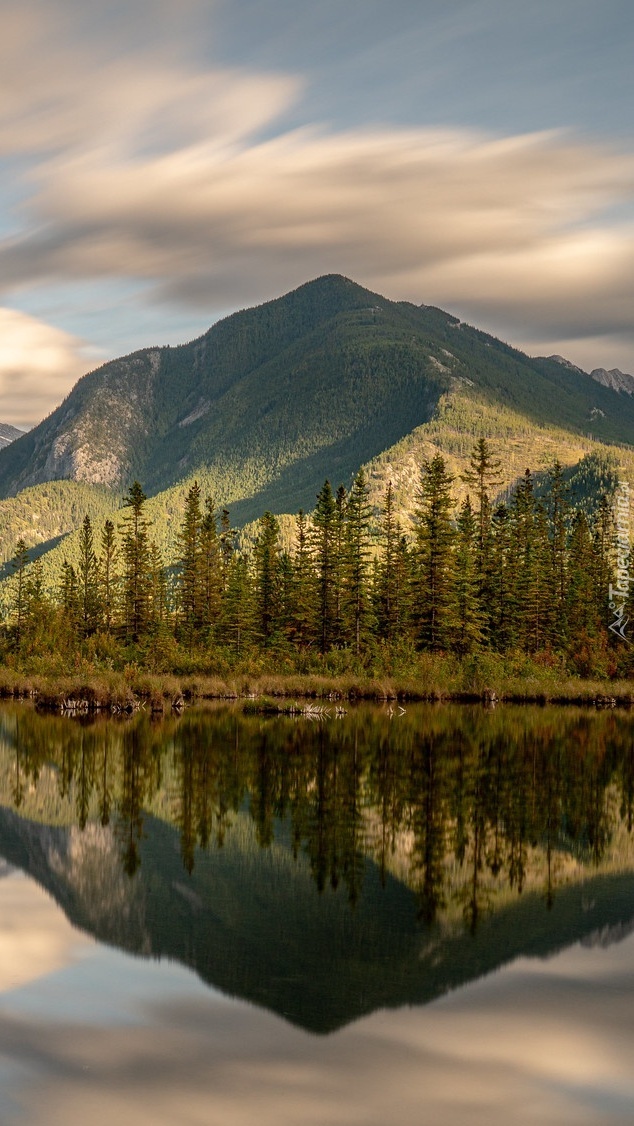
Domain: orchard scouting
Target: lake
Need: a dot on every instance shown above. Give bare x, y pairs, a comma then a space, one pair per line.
387, 916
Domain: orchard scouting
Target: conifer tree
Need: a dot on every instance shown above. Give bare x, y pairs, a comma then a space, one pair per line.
108, 579
158, 610
583, 616
603, 540
542, 622
304, 589
136, 565
523, 560
325, 553
355, 569
434, 575
468, 632
386, 579
341, 516
190, 586
237, 615
19, 564
227, 542
483, 475
88, 581
558, 511
267, 578
69, 599
211, 564
501, 609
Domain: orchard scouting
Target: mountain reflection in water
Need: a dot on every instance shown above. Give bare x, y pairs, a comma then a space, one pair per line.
324, 870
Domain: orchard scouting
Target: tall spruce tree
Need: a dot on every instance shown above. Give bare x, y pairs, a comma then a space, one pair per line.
267, 578
583, 615
137, 580
238, 612
19, 564
434, 572
468, 632
302, 625
88, 580
324, 536
211, 564
501, 626
558, 512
108, 578
523, 560
483, 475
385, 585
356, 562
190, 581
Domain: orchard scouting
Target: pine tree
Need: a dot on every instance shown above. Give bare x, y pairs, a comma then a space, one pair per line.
468, 632
304, 588
69, 599
583, 615
501, 609
158, 611
434, 574
108, 579
543, 623
237, 615
88, 581
325, 552
227, 542
19, 564
483, 475
558, 511
211, 565
136, 565
341, 516
356, 561
385, 581
267, 578
190, 586
523, 561
604, 540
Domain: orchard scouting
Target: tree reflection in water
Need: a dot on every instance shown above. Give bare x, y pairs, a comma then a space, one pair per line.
461, 804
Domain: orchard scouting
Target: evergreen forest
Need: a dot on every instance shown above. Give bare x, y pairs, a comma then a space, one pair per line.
352, 589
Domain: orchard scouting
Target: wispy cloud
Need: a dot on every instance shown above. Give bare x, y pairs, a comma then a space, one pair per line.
141, 164
38, 366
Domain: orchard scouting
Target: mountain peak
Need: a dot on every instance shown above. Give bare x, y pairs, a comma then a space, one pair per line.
618, 380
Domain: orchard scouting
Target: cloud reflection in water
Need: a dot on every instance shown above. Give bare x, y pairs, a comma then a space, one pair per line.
89, 1034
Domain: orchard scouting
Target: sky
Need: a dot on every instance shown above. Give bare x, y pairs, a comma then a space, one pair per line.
164, 164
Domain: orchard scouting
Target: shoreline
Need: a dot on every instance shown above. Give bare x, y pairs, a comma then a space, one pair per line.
262, 694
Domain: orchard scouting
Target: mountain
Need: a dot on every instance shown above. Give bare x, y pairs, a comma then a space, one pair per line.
273, 399
617, 380
9, 434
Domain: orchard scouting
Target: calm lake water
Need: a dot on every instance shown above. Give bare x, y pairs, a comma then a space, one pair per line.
378, 918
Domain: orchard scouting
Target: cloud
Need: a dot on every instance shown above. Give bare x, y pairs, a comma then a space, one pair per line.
539, 1041
145, 165
38, 366
35, 939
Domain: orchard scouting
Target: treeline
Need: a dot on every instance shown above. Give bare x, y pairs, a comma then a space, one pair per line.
531, 575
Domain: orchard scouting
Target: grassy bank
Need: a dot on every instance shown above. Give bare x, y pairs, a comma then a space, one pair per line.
431, 677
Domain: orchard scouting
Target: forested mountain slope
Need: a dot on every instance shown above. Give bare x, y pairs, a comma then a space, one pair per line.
273, 399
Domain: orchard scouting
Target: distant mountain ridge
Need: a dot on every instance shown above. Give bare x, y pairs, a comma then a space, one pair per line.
9, 434
618, 380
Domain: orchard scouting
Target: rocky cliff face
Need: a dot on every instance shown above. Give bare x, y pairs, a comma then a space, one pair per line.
617, 380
